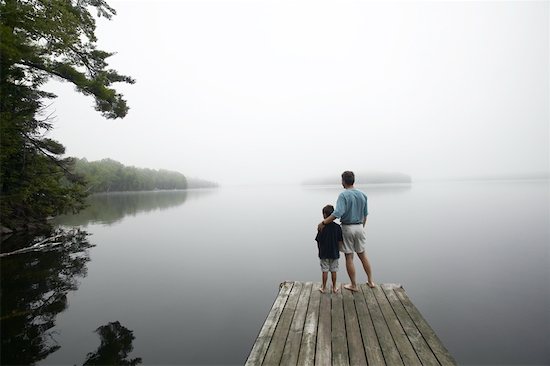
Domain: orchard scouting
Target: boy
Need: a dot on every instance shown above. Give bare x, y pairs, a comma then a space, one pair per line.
329, 240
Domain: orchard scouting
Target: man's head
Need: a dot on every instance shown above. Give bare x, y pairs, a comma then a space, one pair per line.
327, 210
348, 178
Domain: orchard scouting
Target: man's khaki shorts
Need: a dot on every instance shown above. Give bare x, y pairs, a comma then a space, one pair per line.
355, 239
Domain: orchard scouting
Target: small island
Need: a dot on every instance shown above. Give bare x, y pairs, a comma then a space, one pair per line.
362, 178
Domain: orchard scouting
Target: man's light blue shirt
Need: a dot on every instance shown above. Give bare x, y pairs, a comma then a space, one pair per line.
351, 206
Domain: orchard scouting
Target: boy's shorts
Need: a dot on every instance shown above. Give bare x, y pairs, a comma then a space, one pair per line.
355, 239
329, 264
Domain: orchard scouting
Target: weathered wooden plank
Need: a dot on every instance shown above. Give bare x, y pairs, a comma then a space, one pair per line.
339, 342
437, 347
389, 349
309, 336
259, 349
278, 340
323, 351
401, 341
420, 346
370, 339
292, 346
355, 342
373, 326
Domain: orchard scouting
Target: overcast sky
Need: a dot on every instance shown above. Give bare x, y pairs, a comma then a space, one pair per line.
278, 91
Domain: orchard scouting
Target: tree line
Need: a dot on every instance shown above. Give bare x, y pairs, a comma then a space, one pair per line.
111, 176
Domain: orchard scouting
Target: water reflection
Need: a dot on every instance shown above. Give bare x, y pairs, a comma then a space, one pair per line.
110, 208
22, 240
116, 344
34, 288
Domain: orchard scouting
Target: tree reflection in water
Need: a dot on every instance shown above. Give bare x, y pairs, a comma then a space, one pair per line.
116, 344
34, 288
113, 207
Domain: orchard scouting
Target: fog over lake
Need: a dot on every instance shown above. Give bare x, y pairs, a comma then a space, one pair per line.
245, 91
195, 276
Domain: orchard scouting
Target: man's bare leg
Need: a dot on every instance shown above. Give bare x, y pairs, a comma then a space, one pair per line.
324, 286
350, 267
334, 288
366, 266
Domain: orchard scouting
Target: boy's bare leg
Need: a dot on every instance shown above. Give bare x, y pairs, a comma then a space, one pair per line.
324, 285
335, 289
366, 266
350, 267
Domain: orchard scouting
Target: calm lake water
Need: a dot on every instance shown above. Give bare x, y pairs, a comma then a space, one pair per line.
190, 276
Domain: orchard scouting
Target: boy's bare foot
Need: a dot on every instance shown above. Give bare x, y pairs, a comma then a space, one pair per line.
371, 284
351, 288
321, 290
336, 290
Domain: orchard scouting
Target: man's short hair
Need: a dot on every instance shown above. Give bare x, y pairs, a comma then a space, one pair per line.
327, 210
348, 178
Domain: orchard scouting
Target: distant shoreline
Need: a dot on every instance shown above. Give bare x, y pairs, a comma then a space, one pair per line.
489, 178
363, 178
157, 190
400, 178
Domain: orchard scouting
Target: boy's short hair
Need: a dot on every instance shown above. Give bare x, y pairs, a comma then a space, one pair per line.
327, 210
348, 177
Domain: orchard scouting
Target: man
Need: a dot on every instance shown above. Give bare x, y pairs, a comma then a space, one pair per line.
351, 209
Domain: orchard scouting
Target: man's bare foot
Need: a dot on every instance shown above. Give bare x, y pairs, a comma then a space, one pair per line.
371, 284
322, 290
335, 289
351, 288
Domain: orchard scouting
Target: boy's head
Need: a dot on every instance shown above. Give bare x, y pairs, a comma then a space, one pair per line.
348, 178
327, 210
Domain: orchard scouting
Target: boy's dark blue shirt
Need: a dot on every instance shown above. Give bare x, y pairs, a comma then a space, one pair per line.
327, 241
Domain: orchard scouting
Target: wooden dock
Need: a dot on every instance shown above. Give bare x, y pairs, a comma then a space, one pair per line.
379, 326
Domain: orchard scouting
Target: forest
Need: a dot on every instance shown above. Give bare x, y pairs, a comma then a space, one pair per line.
108, 175
111, 176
